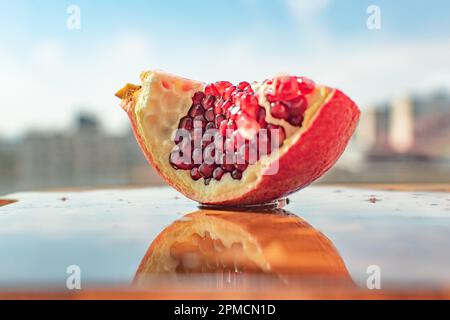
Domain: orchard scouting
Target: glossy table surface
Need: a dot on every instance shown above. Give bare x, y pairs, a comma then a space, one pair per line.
404, 235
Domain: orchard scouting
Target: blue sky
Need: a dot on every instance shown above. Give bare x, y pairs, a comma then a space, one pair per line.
50, 72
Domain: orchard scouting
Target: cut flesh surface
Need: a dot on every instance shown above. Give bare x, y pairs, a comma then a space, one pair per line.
157, 105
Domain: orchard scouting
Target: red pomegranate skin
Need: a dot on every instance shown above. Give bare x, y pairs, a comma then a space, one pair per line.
314, 153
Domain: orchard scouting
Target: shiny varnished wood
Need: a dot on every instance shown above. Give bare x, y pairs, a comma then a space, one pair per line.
108, 233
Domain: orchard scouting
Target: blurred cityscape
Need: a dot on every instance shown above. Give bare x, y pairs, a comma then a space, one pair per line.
83, 157
406, 140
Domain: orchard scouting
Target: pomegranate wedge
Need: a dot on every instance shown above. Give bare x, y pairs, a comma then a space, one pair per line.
238, 144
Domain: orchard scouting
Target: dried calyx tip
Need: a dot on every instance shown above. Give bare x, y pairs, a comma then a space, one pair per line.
127, 91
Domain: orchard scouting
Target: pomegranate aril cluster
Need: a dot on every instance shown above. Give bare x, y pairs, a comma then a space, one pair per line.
288, 98
227, 109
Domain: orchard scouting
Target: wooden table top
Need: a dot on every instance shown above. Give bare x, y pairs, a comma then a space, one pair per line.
329, 242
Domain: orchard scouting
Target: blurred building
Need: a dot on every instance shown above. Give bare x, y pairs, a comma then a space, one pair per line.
405, 140
407, 127
8, 169
83, 157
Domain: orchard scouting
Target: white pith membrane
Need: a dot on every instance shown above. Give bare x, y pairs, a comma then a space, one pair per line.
163, 99
300, 250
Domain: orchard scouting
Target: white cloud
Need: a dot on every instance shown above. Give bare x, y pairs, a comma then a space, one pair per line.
438, 79
47, 88
311, 26
47, 54
369, 74
307, 8
56, 81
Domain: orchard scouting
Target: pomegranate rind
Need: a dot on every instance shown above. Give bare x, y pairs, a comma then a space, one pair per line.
314, 152
161, 118
299, 250
156, 107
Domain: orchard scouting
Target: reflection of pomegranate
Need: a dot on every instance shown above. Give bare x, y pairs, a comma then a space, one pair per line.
238, 144
228, 243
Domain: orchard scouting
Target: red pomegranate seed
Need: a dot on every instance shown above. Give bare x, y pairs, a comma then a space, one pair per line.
222, 85
254, 147
218, 173
198, 97
227, 161
223, 127
197, 156
228, 92
209, 114
238, 140
197, 136
196, 110
219, 118
209, 154
241, 166
296, 121
228, 167
244, 153
200, 119
297, 106
263, 144
262, 117
205, 143
195, 174
210, 126
211, 89
249, 90
176, 160
236, 175
233, 112
282, 137
279, 110
228, 114
247, 125
286, 88
271, 97
218, 106
242, 157
226, 105
206, 170
208, 102
237, 96
231, 125
186, 123
243, 85
253, 151
249, 104
276, 130
229, 146
305, 85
